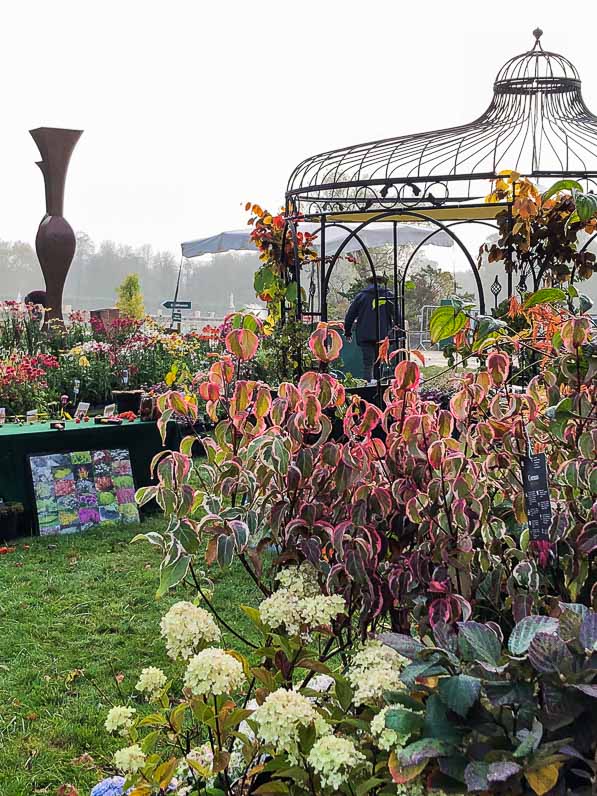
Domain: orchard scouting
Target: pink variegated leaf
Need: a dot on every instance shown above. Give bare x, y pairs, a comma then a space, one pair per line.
242, 343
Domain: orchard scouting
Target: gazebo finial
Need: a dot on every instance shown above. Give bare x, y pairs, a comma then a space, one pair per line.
537, 33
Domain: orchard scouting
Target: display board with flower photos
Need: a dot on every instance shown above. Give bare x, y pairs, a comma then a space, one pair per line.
77, 490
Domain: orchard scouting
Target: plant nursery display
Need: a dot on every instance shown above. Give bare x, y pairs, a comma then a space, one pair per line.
416, 631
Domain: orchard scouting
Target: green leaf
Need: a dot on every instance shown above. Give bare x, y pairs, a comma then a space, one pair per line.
344, 693
529, 740
367, 786
437, 723
546, 295
292, 292
172, 573
446, 322
403, 721
225, 550
459, 692
562, 185
483, 642
586, 206
526, 630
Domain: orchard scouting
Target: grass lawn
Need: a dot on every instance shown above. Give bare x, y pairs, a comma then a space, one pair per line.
76, 613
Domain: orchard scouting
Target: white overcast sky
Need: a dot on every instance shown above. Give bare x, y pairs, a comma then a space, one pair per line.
192, 108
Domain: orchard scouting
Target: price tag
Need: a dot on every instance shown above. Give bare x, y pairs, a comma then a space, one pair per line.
536, 496
110, 410
82, 409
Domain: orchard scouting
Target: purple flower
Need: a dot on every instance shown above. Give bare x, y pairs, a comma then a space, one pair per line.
89, 515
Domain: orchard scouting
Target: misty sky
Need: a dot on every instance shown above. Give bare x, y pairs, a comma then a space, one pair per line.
192, 108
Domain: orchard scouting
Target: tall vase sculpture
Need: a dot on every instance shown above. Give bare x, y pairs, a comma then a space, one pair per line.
55, 241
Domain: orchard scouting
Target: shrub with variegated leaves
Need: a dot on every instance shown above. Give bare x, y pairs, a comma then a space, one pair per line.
355, 521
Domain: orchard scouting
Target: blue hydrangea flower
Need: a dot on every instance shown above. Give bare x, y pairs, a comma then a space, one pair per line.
112, 786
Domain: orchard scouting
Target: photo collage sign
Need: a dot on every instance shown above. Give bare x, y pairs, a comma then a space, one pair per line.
77, 490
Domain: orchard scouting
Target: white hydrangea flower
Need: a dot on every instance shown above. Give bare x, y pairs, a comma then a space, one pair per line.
213, 671
281, 609
301, 581
374, 669
119, 719
298, 604
320, 610
387, 739
333, 758
186, 628
202, 757
281, 716
151, 681
130, 759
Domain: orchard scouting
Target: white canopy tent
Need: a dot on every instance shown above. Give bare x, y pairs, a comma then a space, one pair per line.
373, 236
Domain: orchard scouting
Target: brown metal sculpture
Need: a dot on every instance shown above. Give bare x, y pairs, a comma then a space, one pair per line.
55, 241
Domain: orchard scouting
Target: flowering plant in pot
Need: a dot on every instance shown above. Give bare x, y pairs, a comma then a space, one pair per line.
396, 561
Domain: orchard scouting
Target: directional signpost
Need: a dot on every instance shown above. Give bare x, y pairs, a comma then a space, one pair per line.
177, 305
176, 316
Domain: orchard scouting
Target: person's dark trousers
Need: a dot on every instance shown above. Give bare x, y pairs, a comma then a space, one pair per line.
369, 351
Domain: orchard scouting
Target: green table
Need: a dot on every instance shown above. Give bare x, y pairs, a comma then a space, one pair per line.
17, 442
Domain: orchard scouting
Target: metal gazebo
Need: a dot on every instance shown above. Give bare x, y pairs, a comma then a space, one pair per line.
537, 124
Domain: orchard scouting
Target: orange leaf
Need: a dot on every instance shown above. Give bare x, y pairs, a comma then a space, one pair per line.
402, 774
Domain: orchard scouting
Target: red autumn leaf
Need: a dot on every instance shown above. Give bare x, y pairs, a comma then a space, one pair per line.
209, 391
498, 367
383, 351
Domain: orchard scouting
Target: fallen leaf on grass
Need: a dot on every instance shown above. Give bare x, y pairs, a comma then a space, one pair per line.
18, 564
67, 790
84, 760
32, 716
72, 675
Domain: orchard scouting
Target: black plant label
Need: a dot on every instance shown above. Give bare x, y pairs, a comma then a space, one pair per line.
536, 496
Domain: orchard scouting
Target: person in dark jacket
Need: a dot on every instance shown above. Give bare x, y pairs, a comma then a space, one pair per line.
363, 311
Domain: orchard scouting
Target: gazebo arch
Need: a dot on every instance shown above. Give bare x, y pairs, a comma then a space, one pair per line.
537, 124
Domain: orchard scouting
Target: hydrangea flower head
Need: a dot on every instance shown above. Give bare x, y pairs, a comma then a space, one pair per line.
187, 628
130, 759
374, 669
280, 718
333, 758
298, 605
388, 739
119, 719
213, 671
112, 786
151, 681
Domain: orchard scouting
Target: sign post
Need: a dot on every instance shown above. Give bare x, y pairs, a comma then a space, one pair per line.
177, 305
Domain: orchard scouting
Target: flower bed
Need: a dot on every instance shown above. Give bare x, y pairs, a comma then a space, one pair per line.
38, 365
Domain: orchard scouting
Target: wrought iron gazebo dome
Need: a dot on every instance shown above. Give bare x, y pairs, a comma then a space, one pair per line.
536, 124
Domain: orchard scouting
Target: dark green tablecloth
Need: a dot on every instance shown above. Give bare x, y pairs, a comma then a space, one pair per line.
17, 442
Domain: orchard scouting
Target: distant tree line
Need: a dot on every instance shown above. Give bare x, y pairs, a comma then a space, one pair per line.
98, 270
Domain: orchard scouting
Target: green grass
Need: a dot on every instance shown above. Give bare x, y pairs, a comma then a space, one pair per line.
75, 612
